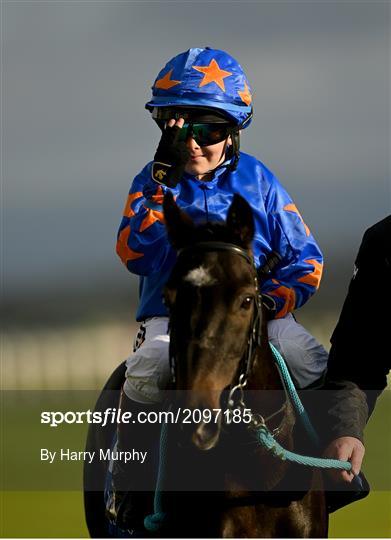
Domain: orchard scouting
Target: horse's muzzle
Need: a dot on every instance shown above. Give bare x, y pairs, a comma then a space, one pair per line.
204, 433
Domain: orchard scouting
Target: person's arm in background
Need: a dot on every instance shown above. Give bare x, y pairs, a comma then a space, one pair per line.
359, 358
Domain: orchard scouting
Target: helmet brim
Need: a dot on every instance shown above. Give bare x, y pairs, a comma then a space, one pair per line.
202, 115
234, 113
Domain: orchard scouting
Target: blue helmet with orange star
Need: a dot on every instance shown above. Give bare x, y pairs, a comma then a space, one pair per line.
207, 78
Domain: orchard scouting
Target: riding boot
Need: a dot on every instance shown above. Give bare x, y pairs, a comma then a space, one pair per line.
133, 482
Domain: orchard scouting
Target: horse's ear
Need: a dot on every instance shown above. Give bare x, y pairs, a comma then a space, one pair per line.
179, 225
241, 221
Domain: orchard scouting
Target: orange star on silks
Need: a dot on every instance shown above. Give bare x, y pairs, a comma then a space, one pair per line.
125, 253
165, 83
292, 208
313, 278
128, 210
151, 218
288, 295
245, 94
213, 73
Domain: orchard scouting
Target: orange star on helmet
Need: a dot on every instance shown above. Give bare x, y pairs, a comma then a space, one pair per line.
165, 83
245, 94
213, 73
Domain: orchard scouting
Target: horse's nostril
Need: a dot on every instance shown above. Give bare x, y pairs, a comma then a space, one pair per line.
206, 435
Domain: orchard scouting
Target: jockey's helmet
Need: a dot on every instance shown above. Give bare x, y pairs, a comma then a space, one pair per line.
206, 78
202, 83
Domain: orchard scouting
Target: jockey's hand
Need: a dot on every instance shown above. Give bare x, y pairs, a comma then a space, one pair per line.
346, 449
171, 155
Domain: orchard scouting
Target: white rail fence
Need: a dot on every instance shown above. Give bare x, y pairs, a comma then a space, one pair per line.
63, 358
82, 357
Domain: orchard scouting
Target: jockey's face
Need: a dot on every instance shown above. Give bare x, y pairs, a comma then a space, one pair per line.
203, 159
206, 158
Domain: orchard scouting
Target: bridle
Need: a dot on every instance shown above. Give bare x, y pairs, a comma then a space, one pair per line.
254, 338
236, 391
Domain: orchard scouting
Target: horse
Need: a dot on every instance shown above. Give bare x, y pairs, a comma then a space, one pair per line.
219, 481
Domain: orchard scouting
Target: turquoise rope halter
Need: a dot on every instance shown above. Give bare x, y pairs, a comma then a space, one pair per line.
293, 395
154, 522
267, 440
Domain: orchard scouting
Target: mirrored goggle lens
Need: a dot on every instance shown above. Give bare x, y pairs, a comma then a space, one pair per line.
208, 134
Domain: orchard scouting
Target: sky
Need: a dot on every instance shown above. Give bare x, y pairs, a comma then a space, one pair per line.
76, 76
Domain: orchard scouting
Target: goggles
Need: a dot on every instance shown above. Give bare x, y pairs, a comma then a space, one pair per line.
203, 134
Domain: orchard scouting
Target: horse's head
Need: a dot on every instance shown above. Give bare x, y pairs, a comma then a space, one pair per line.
212, 297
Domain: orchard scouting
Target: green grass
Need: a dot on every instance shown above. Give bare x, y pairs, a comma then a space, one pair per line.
368, 518
43, 514
37, 514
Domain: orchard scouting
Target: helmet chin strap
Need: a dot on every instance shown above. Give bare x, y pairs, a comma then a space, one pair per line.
234, 149
229, 152
233, 154
235, 137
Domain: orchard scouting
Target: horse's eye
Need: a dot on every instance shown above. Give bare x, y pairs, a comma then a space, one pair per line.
247, 302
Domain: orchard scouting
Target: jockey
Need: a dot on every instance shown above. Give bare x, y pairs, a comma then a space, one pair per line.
201, 101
